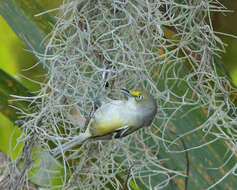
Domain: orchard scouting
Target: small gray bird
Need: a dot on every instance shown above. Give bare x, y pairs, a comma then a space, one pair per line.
117, 118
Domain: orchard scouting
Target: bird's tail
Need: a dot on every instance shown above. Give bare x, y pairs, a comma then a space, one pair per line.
78, 140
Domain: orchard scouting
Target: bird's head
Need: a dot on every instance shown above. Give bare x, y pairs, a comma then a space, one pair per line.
140, 96
146, 104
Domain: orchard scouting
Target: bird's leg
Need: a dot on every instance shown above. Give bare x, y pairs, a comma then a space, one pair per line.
97, 102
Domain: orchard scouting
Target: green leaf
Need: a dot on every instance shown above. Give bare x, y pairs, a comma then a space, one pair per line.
205, 162
10, 86
32, 30
20, 15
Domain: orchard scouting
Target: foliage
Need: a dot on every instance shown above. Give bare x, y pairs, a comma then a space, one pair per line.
166, 47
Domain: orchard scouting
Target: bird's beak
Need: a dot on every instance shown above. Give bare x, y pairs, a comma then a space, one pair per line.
126, 92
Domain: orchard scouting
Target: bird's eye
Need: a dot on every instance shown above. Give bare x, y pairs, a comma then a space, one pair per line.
139, 97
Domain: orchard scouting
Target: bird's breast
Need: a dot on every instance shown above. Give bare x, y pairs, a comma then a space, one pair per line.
112, 116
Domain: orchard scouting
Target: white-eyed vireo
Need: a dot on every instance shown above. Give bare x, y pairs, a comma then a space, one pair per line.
117, 118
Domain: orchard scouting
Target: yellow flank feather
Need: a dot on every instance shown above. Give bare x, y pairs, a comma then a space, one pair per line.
104, 127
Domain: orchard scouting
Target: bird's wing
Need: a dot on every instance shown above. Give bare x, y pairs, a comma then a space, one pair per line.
117, 133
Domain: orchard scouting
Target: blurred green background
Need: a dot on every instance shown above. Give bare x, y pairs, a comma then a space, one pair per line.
16, 59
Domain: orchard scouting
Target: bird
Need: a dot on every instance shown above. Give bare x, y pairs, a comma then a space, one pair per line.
117, 118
